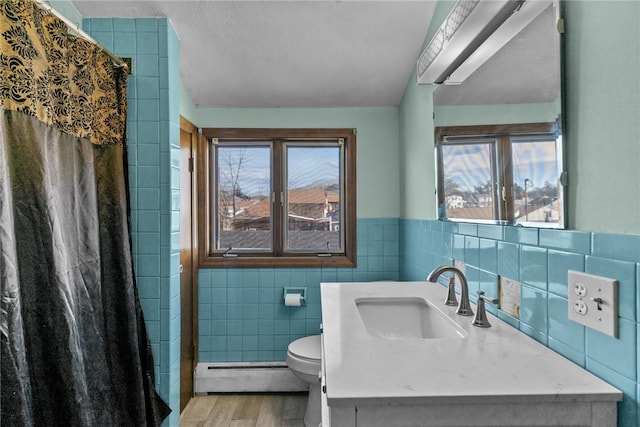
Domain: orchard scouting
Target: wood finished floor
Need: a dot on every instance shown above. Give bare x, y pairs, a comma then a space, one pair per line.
245, 410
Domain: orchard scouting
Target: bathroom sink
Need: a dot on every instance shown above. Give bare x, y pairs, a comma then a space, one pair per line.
402, 318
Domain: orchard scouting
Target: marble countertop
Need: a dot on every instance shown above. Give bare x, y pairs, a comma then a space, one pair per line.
497, 364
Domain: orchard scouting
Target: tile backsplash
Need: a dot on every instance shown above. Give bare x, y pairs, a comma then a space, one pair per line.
540, 260
242, 317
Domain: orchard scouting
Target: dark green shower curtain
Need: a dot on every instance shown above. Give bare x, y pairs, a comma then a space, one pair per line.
74, 350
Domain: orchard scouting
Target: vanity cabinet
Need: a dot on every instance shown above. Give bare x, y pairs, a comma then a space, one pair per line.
582, 414
471, 377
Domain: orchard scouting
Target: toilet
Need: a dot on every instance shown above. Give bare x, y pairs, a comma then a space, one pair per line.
303, 358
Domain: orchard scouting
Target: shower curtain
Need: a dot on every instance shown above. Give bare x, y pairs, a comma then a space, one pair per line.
74, 350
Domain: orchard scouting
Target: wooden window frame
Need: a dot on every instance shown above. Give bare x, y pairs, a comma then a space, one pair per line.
502, 135
278, 258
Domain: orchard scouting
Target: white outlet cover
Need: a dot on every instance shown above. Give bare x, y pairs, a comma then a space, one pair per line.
600, 295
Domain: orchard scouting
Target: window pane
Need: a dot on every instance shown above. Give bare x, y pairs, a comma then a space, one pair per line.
536, 173
243, 197
469, 183
313, 198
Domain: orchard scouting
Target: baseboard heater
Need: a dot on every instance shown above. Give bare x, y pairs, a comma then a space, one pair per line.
245, 377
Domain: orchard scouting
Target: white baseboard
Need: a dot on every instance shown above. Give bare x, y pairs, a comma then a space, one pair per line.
246, 377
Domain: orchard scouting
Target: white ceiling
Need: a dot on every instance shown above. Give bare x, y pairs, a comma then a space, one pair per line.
288, 53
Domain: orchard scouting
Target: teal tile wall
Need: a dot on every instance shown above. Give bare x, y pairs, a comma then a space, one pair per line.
153, 143
540, 260
242, 317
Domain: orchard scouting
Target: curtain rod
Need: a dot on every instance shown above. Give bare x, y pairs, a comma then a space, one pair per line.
118, 62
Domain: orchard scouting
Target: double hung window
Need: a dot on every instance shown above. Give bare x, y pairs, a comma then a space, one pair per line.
279, 197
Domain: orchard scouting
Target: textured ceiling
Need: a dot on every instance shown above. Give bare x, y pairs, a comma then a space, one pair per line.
288, 53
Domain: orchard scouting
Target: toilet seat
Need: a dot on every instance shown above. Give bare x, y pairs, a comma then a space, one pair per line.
307, 348
303, 356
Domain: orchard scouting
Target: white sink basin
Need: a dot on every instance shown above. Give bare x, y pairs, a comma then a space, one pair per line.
406, 318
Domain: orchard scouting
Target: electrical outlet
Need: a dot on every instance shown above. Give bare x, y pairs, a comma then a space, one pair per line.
593, 302
580, 289
580, 307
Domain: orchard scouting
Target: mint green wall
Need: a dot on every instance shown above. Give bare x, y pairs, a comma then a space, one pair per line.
458, 115
377, 144
417, 179
603, 111
603, 130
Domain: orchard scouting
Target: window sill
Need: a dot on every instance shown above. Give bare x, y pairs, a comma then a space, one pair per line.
281, 262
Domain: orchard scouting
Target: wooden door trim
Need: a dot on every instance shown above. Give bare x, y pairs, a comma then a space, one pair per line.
187, 127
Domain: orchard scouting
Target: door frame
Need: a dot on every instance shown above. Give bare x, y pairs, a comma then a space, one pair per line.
192, 247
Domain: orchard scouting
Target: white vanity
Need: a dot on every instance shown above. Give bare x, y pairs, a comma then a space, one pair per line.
395, 355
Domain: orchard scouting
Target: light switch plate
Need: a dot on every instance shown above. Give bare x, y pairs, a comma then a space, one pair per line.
593, 301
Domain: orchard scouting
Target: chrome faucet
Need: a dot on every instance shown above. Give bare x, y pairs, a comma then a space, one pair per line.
464, 307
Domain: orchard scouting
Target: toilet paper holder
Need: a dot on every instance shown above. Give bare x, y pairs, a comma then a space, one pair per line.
295, 291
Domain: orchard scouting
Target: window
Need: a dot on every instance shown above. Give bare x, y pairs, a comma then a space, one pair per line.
277, 197
469, 169
501, 174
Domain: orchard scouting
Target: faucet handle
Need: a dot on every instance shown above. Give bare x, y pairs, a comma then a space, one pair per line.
481, 319
493, 301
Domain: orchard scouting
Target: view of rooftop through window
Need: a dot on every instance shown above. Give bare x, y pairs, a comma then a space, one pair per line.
472, 185
536, 179
468, 180
245, 197
313, 198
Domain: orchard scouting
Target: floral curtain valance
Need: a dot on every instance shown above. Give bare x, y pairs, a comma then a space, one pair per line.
61, 79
